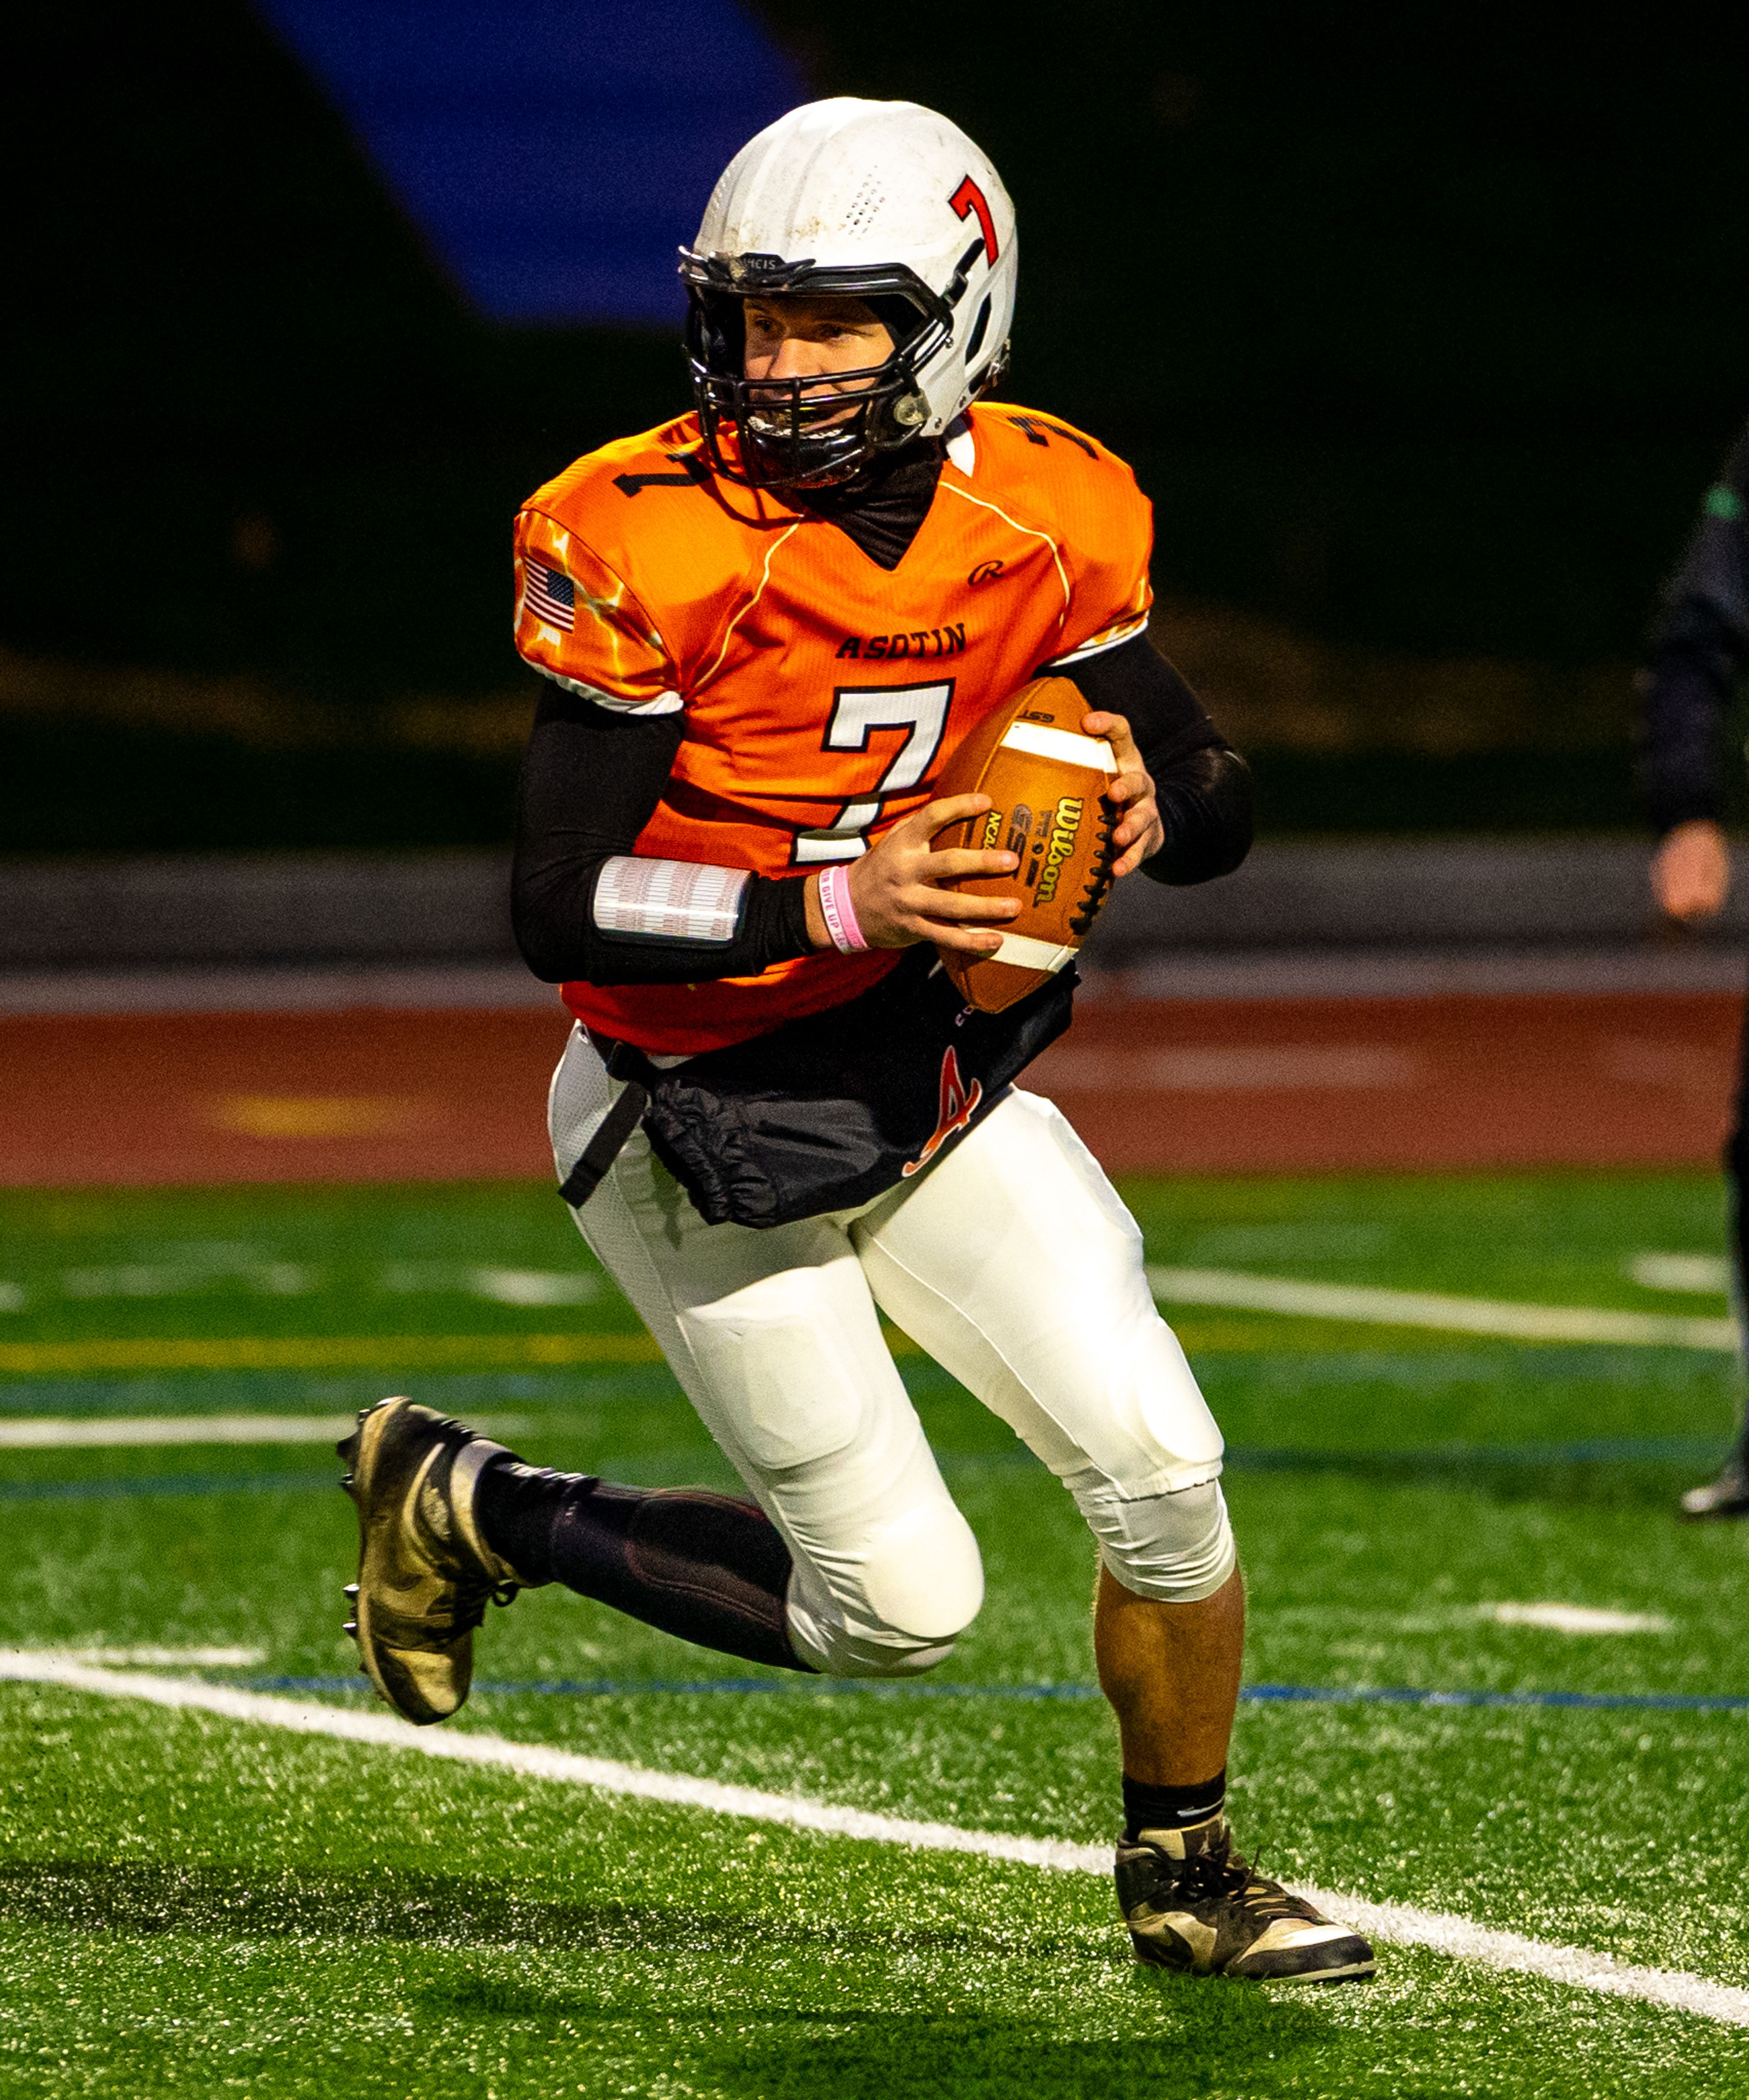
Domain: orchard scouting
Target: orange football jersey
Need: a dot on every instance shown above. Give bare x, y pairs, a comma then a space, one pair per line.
822, 694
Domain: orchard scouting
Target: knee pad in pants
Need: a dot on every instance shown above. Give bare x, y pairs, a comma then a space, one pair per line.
1176, 1548
896, 1609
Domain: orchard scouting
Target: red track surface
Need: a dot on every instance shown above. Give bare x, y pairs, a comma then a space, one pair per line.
1580, 1080
1203, 1086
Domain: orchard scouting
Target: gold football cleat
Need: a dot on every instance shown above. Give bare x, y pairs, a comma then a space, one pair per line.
1192, 1905
425, 1574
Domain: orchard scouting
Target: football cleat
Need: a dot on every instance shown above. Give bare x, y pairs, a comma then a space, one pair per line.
1194, 1905
1727, 1496
425, 1575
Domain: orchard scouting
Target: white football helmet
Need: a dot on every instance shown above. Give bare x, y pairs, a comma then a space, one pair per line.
885, 202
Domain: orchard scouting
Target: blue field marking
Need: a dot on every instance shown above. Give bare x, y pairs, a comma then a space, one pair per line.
130, 1485
1458, 1458
1662, 1702
667, 1468
1316, 1694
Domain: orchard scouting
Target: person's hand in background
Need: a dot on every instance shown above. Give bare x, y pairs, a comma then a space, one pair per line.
1691, 872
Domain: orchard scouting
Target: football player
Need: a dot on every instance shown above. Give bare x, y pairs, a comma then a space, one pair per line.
767, 626
1699, 651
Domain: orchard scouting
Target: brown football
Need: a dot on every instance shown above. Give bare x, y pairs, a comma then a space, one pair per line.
1046, 780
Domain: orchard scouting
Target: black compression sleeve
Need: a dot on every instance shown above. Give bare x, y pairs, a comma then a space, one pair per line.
590, 782
1202, 784
1698, 652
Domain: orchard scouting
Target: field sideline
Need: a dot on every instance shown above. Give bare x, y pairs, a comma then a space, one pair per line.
1441, 1531
1470, 1079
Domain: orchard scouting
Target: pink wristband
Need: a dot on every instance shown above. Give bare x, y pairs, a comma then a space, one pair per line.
838, 912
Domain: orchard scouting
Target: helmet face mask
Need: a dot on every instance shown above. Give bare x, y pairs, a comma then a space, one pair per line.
888, 193
819, 427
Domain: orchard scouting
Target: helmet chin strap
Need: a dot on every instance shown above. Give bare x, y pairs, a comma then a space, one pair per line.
909, 412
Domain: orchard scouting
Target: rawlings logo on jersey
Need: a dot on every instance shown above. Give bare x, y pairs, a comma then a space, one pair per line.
920, 642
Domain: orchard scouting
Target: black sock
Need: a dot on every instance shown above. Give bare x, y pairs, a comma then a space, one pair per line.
1170, 1807
514, 1505
710, 1568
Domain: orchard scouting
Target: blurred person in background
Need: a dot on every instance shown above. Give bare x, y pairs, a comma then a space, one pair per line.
1698, 651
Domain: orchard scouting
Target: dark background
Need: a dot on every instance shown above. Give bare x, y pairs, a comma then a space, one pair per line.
1424, 336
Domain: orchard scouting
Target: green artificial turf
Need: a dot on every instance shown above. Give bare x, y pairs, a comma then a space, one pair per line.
187, 1904
298, 1260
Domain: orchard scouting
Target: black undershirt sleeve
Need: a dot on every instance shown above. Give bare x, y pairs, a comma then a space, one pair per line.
1698, 652
590, 783
1202, 784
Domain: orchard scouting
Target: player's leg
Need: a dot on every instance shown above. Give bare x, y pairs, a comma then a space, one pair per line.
1171, 1671
775, 1337
1015, 1265
450, 1521
851, 1557
1728, 1493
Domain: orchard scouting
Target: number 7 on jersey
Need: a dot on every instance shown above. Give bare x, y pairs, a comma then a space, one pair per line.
856, 713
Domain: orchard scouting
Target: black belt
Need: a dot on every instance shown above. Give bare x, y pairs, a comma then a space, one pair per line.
614, 1127
828, 1109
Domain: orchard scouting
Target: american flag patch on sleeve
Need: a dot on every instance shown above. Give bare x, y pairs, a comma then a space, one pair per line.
550, 595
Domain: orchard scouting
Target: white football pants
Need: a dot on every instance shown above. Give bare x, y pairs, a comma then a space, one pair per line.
1014, 1263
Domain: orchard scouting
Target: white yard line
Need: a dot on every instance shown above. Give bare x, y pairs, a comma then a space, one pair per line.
114, 1432
1460, 1937
1707, 1275
1577, 1619
153, 1657
1428, 1308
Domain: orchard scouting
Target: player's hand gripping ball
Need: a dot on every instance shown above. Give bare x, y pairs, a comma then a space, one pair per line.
1047, 780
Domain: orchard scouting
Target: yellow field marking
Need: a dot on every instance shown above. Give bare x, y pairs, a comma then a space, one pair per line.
314, 1115
425, 1352
314, 1352
127, 1432
329, 1353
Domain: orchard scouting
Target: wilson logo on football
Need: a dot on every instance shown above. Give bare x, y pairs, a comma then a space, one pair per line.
1064, 826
